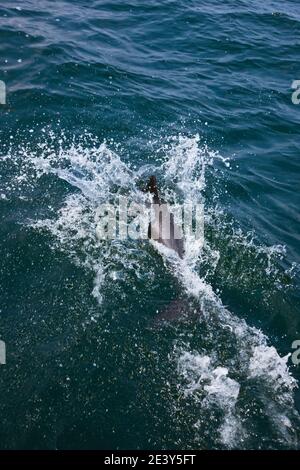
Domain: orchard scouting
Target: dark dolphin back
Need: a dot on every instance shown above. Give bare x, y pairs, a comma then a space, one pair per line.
152, 188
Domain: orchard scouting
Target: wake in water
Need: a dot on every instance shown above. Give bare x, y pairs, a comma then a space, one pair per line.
219, 364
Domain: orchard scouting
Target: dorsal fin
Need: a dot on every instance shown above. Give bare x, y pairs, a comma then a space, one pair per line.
152, 188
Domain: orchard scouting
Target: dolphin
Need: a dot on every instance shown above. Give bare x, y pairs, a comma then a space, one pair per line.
163, 228
179, 309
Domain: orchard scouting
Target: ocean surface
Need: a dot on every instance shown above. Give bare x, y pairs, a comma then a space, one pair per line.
99, 96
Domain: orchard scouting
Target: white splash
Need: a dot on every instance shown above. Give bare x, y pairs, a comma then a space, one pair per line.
211, 386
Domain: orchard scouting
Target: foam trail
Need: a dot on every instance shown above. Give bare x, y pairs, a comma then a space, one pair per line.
186, 165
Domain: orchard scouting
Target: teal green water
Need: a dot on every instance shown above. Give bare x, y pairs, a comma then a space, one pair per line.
100, 95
